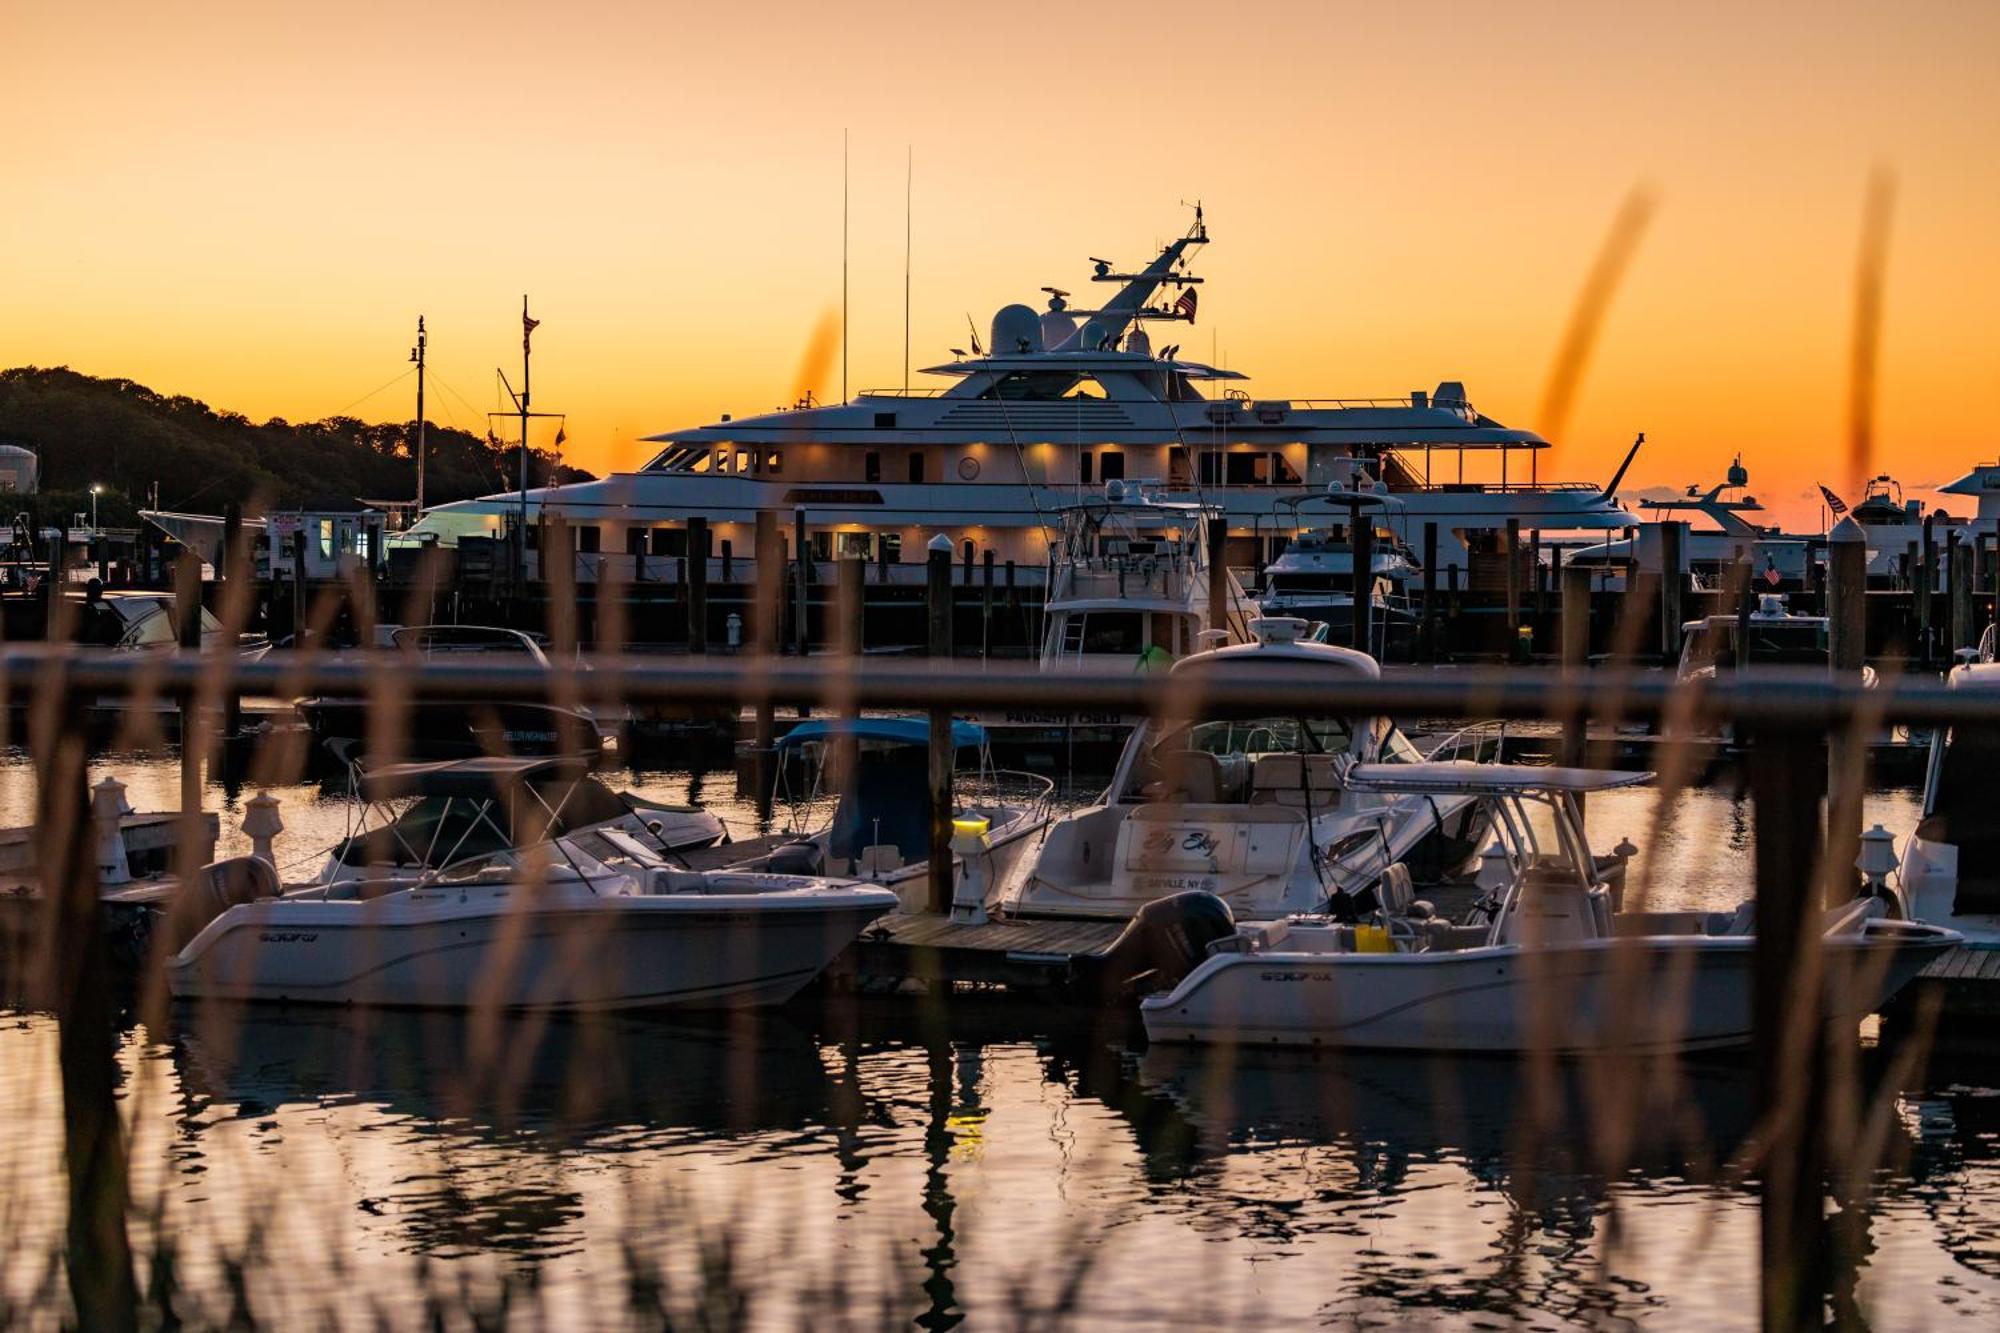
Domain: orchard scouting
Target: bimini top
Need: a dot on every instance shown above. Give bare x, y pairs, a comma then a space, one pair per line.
895, 730
480, 777
1469, 779
1279, 646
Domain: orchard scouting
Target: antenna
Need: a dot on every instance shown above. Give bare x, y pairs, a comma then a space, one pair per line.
843, 266
909, 183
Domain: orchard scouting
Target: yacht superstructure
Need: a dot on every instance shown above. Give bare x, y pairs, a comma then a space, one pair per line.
1055, 404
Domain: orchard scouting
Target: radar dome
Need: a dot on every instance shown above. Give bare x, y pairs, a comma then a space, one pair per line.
1017, 329
1137, 341
1093, 336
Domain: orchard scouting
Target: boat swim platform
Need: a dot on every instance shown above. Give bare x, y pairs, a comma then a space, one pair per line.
929, 950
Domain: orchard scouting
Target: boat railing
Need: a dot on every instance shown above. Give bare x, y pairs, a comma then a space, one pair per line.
1031, 793
1480, 743
899, 392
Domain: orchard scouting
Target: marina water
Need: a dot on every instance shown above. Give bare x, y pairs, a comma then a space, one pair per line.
887, 1162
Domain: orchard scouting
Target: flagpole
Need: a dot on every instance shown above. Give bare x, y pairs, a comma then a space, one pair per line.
909, 180
843, 266
418, 357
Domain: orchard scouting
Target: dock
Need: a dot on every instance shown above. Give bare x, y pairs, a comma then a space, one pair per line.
1966, 981
934, 950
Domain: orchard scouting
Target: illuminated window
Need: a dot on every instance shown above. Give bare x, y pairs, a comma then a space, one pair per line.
774, 461
742, 460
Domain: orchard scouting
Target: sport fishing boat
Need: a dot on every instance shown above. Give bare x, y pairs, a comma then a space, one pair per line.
1130, 583
1053, 403
1257, 812
549, 926
1546, 960
874, 772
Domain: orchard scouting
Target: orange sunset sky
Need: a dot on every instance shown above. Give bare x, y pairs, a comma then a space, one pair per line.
251, 203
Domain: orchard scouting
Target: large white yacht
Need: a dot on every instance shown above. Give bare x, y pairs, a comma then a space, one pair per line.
1054, 404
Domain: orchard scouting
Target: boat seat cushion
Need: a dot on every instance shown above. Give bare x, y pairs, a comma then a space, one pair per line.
1296, 780
1192, 776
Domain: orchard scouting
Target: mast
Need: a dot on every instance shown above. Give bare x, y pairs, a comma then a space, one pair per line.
843, 266
909, 180
417, 355
527, 332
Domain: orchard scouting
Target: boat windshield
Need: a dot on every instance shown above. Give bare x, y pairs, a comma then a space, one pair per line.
1264, 735
1958, 810
1800, 642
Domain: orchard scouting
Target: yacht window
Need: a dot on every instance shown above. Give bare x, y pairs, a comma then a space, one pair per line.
326, 539
1083, 461
588, 538
916, 468
1177, 465
774, 461
1043, 386
1281, 471
871, 466
742, 460
822, 545
1211, 469
700, 462
156, 629
1249, 469
1111, 465
885, 421
669, 541
853, 544
892, 547
1114, 632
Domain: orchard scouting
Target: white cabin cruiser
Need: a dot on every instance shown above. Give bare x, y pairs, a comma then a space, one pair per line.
1056, 402
875, 773
1313, 577
1949, 870
1546, 962
543, 927
1257, 811
1130, 582
1722, 530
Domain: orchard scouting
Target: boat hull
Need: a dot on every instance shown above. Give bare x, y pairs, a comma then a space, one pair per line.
447, 949
1667, 993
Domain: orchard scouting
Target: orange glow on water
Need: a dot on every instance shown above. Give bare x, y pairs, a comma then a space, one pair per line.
252, 203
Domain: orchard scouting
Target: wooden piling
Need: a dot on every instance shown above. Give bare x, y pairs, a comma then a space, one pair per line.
236, 571
1673, 581
1513, 554
1958, 580
802, 566
1361, 545
187, 623
766, 617
1847, 636
986, 605
696, 587
1788, 1051
1926, 583
1428, 636
850, 581
937, 614
1575, 657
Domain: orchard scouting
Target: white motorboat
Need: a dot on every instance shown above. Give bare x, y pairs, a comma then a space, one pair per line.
1776, 636
1949, 870
544, 927
1546, 962
874, 772
1256, 811
1129, 582
1722, 530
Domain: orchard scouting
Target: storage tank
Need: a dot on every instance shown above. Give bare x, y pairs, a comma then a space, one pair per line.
20, 469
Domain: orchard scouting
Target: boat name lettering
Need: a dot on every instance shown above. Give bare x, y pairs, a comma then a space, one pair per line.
1192, 840
288, 937
1295, 976
817, 495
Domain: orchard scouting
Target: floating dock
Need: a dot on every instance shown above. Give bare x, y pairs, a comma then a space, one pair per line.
934, 950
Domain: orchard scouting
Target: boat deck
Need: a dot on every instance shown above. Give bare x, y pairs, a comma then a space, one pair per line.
1967, 983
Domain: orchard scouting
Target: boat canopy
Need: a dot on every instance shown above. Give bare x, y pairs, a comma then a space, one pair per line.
895, 730
1468, 779
479, 777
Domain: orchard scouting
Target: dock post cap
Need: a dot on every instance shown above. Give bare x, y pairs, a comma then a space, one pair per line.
939, 543
1847, 530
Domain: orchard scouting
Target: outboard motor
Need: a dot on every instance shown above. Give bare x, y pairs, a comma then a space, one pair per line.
213, 890
1165, 940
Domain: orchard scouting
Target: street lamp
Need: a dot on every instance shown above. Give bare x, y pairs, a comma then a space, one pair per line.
96, 489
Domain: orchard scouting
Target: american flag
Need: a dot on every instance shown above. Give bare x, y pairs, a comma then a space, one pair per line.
1185, 306
1833, 502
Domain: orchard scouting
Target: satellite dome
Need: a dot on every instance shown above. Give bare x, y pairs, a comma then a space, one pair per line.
1017, 330
1093, 336
1057, 329
1138, 341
